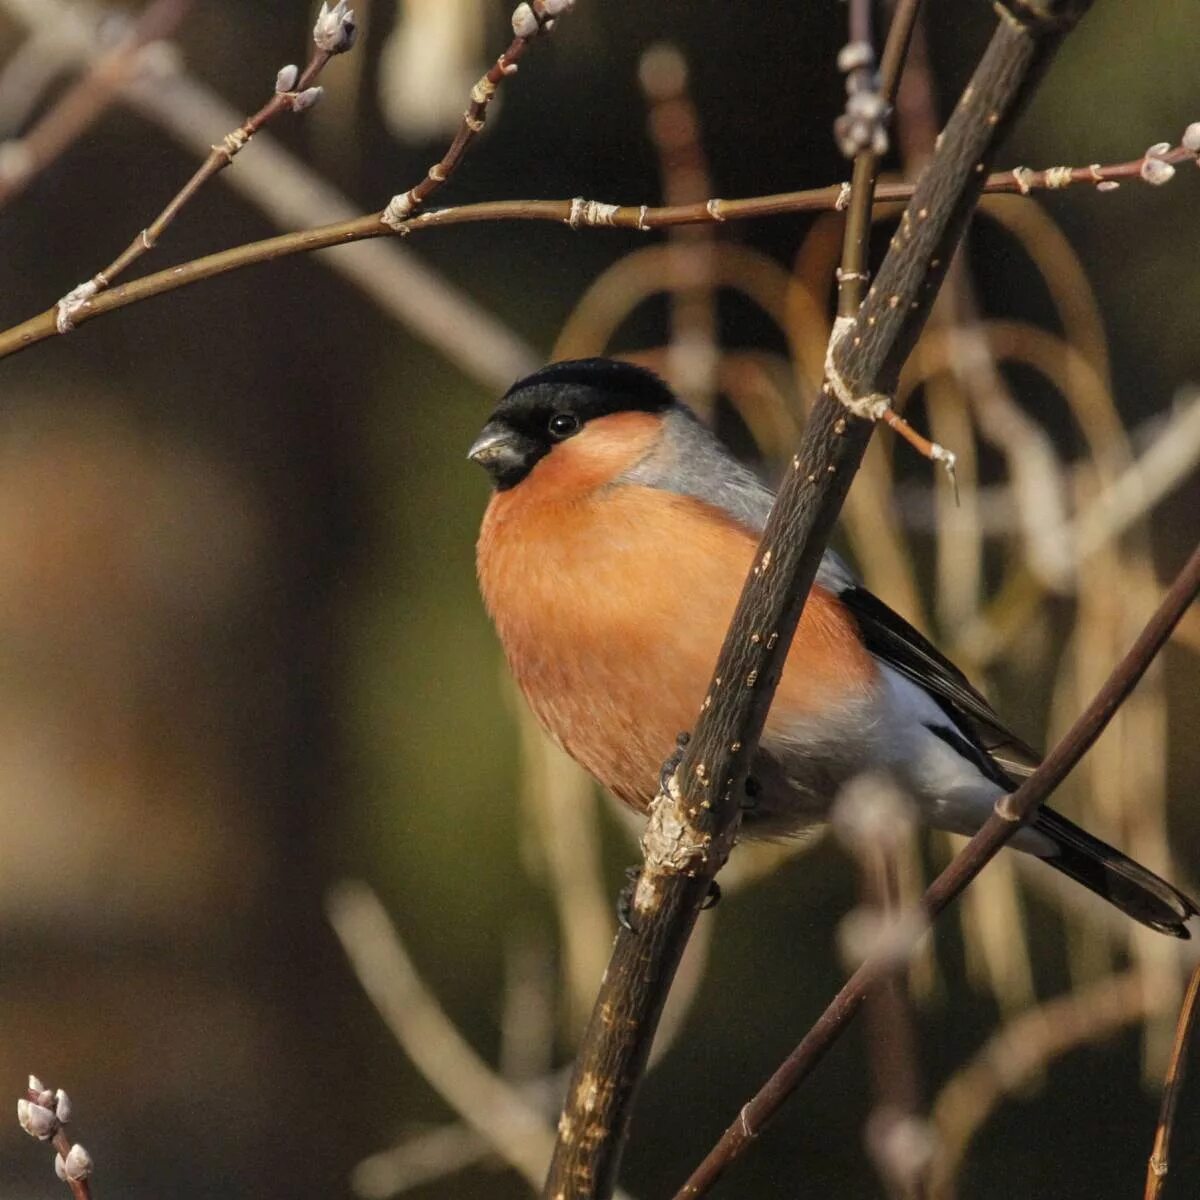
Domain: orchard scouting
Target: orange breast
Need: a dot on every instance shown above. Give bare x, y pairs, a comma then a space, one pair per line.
611, 606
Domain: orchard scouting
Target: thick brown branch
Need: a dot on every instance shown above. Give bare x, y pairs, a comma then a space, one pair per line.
692, 825
1010, 813
1160, 1156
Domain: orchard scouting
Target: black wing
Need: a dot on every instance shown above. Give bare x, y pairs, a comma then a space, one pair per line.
891, 638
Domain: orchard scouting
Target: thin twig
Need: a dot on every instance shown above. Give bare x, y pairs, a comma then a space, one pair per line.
528, 21
295, 91
1156, 1169
577, 213
1008, 816
853, 274
294, 196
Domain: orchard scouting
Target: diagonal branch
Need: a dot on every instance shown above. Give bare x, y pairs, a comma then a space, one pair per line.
1010, 813
295, 91
693, 823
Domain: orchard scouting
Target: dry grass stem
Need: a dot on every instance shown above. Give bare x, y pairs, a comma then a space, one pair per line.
84, 102
496, 1110
1018, 1053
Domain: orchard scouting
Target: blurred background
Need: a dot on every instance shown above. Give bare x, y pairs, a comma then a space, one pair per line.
244, 659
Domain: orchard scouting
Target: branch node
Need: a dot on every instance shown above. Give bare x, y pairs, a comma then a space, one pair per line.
399, 209
233, 142
713, 208
73, 303
1024, 176
591, 213
671, 844
843, 197
744, 1119
641, 219
1059, 177
1006, 810
871, 407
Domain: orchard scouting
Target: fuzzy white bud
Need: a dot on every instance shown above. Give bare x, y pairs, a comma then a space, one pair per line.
1156, 171
524, 23
286, 80
854, 56
37, 1120
62, 1106
60, 1167
335, 30
78, 1164
307, 98
35, 1084
1159, 150
1191, 137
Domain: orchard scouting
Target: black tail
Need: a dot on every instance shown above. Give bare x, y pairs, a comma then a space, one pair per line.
1107, 872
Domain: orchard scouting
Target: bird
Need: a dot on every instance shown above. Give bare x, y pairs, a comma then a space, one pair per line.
610, 559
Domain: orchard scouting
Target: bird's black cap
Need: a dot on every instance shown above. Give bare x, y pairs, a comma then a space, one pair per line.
554, 403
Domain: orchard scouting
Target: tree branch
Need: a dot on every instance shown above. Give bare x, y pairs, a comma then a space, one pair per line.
295, 91
576, 213
692, 824
1010, 813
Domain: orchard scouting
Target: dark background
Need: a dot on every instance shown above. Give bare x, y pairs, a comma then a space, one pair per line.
242, 654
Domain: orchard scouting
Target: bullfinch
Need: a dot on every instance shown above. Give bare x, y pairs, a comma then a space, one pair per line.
610, 559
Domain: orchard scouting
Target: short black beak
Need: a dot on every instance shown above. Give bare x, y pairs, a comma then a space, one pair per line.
504, 454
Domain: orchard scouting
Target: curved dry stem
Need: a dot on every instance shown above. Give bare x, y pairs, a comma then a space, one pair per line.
85, 101
1017, 1054
494, 1109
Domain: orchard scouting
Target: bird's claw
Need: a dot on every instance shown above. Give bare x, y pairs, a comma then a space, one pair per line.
672, 764
751, 791
625, 899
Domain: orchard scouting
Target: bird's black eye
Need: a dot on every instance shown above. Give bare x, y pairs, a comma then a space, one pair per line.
562, 425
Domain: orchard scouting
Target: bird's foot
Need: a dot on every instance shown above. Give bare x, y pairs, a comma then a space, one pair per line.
750, 794
672, 764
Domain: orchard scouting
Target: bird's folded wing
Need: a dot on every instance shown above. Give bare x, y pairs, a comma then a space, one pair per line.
894, 641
